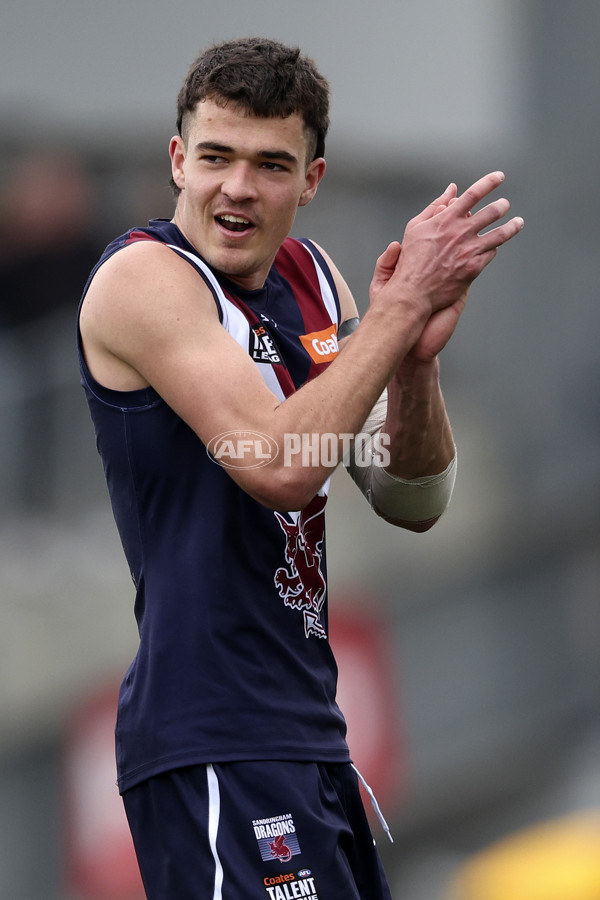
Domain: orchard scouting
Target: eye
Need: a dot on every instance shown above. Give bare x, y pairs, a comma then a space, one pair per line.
213, 159
273, 167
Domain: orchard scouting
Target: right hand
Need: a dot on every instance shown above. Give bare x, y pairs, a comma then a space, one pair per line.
443, 251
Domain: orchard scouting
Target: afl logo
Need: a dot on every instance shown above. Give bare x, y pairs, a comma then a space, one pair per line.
242, 449
304, 873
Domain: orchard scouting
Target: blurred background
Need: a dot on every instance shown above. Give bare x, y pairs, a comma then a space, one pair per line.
469, 656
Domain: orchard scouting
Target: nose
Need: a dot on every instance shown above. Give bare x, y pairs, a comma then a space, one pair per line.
239, 183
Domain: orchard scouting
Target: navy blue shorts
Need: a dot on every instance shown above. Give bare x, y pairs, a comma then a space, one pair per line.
255, 831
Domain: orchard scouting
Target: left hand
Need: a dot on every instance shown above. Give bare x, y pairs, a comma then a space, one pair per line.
440, 327
437, 332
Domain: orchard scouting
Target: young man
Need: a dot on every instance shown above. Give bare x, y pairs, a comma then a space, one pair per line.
216, 332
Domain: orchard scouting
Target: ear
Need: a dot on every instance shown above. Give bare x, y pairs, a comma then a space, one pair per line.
177, 154
314, 174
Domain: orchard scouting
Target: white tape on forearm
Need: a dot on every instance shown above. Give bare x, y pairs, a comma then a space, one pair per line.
377, 416
361, 475
414, 500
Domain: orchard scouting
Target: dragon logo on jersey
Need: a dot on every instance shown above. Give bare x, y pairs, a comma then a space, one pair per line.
301, 583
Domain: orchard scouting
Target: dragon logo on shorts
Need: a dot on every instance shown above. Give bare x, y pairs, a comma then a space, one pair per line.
301, 583
276, 837
280, 850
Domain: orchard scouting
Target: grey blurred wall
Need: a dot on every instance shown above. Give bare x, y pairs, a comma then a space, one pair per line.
114, 68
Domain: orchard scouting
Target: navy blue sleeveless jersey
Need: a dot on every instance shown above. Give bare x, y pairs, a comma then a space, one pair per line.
231, 599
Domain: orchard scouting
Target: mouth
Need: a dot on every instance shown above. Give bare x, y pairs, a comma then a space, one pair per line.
234, 223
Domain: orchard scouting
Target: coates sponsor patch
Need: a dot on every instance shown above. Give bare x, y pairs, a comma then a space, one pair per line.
290, 886
276, 837
321, 346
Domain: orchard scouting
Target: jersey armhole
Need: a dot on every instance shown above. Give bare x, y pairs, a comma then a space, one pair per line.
320, 260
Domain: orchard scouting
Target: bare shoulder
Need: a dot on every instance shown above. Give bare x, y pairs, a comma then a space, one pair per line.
144, 280
141, 298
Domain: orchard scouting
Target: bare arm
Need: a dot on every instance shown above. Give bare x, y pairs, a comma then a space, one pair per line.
146, 320
420, 442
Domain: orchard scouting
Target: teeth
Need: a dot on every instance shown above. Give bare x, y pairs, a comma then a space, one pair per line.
238, 219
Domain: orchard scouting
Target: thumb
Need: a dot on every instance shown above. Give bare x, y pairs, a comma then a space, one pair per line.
386, 265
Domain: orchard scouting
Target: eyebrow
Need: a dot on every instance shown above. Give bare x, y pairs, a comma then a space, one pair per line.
263, 154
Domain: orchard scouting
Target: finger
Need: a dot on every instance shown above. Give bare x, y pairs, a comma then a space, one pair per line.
453, 200
443, 200
474, 194
389, 257
386, 264
490, 213
493, 239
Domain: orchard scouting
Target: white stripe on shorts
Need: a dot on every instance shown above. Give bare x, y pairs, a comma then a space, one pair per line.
214, 812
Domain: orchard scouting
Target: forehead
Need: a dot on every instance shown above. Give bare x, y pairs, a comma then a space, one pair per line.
234, 126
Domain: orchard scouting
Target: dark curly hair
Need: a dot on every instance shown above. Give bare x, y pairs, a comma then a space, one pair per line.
265, 78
